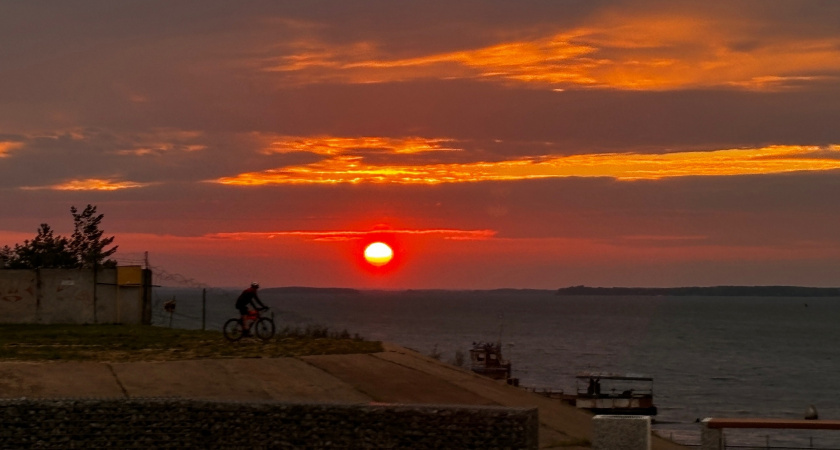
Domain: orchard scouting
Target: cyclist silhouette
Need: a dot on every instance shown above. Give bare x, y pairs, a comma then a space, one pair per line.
247, 298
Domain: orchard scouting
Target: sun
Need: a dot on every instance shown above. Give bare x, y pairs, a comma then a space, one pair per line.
378, 254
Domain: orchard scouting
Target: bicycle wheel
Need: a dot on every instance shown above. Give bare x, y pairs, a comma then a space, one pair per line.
233, 330
264, 328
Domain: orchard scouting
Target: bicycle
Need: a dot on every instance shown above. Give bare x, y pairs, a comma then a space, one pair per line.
261, 327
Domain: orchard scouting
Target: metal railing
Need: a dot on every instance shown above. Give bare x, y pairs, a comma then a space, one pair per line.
712, 436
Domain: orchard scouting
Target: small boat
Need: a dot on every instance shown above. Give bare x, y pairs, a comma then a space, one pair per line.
486, 359
612, 393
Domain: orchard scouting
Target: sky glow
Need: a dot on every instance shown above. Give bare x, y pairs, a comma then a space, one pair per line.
492, 144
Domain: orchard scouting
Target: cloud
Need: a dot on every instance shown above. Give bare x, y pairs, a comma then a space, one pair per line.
159, 141
106, 159
348, 235
338, 168
627, 51
8, 146
89, 184
329, 145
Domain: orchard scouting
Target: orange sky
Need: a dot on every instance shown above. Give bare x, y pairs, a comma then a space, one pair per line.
534, 145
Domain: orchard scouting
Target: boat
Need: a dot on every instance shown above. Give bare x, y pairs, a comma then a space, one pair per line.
613, 393
486, 359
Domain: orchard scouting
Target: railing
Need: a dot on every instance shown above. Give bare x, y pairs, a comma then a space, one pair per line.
712, 437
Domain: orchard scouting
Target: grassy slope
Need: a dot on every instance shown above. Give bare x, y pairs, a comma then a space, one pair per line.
27, 342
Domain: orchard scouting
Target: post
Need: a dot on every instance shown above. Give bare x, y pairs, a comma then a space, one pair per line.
147, 297
710, 438
620, 432
117, 296
38, 294
203, 308
95, 280
170, 308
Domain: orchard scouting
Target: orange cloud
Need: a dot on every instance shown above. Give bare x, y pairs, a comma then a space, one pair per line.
622, 166
89, 184
8, 146
660, 52
163, 140
344, 235
155, 142
160, 148
620, 51
327, 145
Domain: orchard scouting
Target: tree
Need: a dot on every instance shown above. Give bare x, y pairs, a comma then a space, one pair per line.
87, 243
7, 255
85, 249
46, 251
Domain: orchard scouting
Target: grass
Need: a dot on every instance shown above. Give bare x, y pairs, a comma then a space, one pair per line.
30, 342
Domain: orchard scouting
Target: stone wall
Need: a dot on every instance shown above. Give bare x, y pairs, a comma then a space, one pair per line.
74, 296
172, 423
617, 432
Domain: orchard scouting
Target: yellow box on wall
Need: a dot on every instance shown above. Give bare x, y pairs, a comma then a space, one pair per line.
129, 275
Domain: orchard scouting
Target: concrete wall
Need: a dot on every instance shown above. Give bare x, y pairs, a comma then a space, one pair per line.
170, 423
71, 296
614, 432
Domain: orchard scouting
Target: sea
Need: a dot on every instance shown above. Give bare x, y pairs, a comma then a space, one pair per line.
770, 357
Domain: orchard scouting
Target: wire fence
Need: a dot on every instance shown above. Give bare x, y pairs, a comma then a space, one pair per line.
131, 259
180, 301
193, 308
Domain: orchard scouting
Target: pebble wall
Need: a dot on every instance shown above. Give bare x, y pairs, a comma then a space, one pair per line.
183, 424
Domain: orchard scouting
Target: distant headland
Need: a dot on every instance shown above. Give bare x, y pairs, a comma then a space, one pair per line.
311, 290
713, 291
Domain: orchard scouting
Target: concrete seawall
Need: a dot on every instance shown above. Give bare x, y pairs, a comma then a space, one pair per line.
394, 376
179, 424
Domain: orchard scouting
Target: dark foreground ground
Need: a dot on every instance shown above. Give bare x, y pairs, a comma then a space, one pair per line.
358, 372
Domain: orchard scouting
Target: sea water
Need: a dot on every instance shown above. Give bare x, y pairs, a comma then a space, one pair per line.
709, 356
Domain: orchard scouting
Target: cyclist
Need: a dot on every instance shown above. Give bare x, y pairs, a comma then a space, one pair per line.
246, 298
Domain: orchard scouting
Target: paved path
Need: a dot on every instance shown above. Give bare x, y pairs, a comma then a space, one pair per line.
396, 375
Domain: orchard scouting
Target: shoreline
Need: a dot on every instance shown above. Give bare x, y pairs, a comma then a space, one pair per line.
395, 375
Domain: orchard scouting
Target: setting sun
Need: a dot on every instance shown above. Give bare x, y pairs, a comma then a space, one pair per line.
378, 254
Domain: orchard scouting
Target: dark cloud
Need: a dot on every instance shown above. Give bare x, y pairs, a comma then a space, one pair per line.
583, 121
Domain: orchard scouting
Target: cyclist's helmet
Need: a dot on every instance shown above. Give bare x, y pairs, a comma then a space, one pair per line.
255, 285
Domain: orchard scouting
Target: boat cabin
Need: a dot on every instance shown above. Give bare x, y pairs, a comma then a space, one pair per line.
486, 359
610, 393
